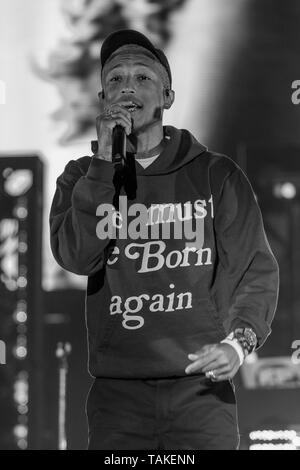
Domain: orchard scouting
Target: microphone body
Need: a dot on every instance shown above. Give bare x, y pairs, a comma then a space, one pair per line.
119, 147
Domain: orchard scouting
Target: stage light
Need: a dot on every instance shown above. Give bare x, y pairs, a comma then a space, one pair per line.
269, 439
22, 282
23, 409
20, 317
22, 270
285, 190
272, 447
23, 247
20, 234
270, 435
22, 305
22, 444
10, 284
296, 441
21, 396
21, 212
17, 182
20, 431
21, 389
20, 352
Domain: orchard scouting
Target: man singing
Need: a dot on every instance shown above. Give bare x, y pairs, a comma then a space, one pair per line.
182, 283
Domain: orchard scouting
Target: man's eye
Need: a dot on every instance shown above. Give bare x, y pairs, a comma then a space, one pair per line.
116, 78
143, 77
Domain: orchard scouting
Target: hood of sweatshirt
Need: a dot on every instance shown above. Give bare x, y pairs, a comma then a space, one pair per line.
181, 148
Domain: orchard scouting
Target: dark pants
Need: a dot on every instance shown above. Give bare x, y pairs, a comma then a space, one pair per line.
162, 414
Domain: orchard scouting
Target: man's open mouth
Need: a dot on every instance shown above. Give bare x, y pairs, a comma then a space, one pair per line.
132, 107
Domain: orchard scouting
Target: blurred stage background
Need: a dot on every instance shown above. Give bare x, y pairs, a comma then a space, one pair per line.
233, 65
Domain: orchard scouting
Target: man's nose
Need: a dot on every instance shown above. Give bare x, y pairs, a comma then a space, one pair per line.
127, 90
128, 86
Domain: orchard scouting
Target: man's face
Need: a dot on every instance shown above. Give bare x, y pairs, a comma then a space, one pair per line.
135, 77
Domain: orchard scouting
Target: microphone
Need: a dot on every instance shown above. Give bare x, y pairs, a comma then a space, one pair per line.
119, 147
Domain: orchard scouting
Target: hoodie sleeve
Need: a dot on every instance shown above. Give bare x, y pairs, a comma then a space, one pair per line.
251, 271
73, 220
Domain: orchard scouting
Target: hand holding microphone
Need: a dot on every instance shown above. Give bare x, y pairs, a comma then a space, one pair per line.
112, 125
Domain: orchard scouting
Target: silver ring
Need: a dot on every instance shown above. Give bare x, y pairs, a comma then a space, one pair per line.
211, 375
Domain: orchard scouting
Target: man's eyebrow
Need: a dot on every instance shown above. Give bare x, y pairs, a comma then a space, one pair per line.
143, 65
137, 64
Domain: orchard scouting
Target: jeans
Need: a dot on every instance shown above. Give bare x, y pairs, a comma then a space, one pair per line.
186, 413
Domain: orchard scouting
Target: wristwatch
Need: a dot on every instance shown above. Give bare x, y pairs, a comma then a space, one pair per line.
246, 338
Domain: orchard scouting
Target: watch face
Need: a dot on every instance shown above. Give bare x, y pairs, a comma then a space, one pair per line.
250, 336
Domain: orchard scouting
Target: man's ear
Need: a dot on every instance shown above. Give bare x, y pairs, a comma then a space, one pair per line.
169, 97
101, 95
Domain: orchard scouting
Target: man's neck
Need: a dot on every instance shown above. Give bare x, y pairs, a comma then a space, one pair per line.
145, 140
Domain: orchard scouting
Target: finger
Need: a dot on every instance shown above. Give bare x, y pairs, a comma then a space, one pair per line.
120, 119
206, 349
203, 361
198, 365
117, 114
118, 108
112, 121
202, 353
221, 361
220, 372
215, 365
121, 122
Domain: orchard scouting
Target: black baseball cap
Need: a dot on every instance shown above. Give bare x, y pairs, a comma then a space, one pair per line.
129, 36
